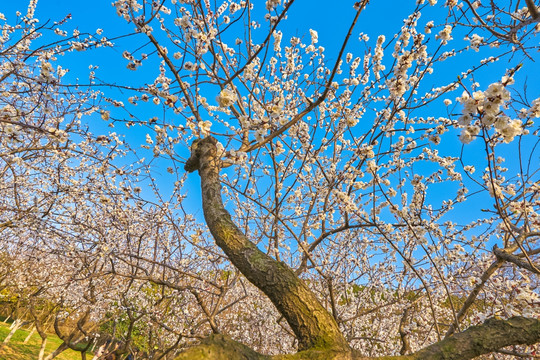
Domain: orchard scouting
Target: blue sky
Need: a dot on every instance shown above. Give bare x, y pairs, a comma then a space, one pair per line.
331, 22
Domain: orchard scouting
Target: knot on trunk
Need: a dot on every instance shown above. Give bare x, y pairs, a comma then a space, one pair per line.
198, 147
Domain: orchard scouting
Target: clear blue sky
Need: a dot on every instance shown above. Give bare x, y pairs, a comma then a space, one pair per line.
331, 22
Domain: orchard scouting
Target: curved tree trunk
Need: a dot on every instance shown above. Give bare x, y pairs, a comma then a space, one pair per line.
313, 326
316, 330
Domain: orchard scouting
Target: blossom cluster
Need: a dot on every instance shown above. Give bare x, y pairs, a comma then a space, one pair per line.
486, 110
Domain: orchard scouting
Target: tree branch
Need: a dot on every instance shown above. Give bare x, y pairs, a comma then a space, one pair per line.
496, 265
491, 336
488, 337
503, 255
532, 9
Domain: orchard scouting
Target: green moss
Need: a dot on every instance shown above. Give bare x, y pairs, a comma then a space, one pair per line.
220, 347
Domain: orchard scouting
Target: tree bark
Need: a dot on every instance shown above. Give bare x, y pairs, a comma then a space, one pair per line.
43, 335
42, 348
492, 335
30, 334
61, 348
506, 256
312, 324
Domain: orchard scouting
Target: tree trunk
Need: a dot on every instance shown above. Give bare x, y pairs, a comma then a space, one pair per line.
43, 335
312, 324
30, 334
15, 323
63, 347
14, 327
42, 348
492, 335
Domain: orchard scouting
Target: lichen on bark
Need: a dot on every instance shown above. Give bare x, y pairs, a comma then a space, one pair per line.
312, 324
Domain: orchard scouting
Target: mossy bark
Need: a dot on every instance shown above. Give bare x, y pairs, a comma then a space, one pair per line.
312, 324
220, 347
494, 334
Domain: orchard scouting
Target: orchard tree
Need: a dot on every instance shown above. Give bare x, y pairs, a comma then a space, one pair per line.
63, 202
382, 196
334, 171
